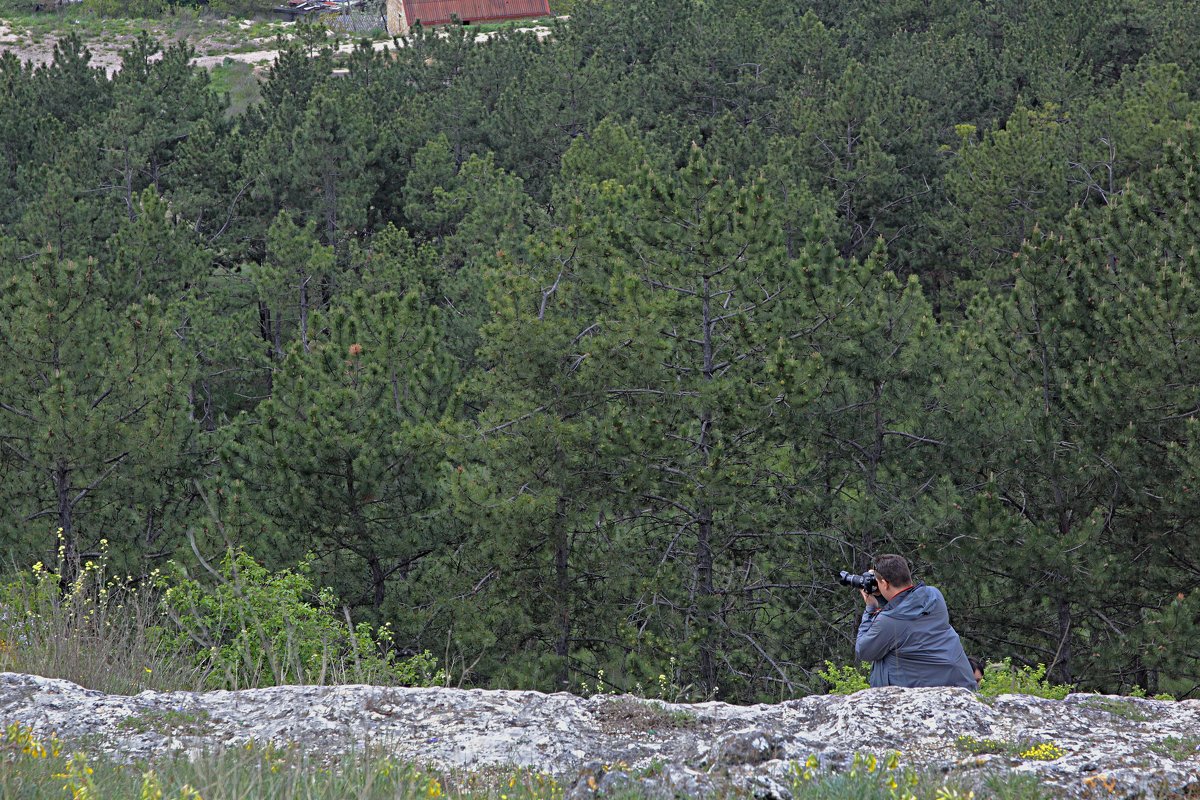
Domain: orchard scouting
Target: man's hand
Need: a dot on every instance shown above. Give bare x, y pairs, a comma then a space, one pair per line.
871, 600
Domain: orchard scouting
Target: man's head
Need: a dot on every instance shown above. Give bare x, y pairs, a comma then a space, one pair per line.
976, 669
892, 574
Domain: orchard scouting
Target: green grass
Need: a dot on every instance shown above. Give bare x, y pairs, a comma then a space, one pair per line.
47, 768
870, 777
240, 81
1013, 787
1126, 709
978, 747
167, 721
38, 768
80, 19
1178, 748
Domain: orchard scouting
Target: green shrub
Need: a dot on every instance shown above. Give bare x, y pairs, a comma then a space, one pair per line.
251, 627
846, 680
1004, 678
1138, 691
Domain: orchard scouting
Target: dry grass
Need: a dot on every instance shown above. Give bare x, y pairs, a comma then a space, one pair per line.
100, 633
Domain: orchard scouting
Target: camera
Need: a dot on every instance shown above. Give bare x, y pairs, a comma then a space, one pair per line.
866, 581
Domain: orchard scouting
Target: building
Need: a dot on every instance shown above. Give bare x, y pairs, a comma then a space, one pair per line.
403, 14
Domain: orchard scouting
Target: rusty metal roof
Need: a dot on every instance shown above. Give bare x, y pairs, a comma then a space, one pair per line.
437, 12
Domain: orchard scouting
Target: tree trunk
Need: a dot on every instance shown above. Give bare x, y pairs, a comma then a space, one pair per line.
304, 310
706, 596
704, 533
66, 528
378, 580
362, 537
1062, 658
562, 588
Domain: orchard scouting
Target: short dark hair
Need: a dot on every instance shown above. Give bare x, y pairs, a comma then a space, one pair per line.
893, 569
976, 664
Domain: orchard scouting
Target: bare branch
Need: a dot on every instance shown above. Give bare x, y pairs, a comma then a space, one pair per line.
512, 422
116, 462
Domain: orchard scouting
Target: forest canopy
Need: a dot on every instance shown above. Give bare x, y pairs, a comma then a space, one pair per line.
595, 357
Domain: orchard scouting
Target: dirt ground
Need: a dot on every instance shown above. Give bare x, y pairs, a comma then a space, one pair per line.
42, 51
211, 51
106, 54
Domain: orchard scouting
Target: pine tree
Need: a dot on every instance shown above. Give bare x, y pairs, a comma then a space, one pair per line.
93, 411
1146, 326
330, 164
158, 98
288, 284
343, 457
1046, 489
855, 139
705, 273
539, 564
1000, 188
1126, 132
208, 188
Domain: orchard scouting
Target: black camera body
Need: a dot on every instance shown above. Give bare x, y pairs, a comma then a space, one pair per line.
866, 581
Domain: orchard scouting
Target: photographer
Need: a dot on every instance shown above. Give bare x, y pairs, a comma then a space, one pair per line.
907, 632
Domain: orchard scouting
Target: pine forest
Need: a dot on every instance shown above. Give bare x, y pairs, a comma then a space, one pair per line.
589, 359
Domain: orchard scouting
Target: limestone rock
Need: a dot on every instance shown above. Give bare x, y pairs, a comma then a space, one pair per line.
606, 744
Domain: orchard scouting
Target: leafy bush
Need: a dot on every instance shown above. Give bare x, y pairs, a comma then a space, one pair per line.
252, 627
846, 680
248, 628
1003, 678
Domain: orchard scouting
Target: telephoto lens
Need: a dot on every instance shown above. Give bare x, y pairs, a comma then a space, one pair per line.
866, 581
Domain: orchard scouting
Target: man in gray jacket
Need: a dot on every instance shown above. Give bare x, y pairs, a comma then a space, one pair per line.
907, 633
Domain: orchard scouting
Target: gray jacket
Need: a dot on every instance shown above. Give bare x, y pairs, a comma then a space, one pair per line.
912, 643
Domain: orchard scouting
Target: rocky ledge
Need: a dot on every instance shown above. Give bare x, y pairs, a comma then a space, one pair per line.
1126, 746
